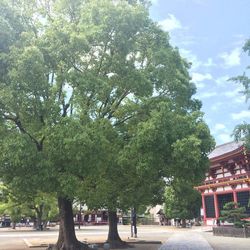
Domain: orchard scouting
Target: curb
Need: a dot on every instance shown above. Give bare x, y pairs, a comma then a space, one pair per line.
34, 246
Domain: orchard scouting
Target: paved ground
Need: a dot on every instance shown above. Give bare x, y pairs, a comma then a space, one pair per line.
20, 238
227, 243
186, 241
197, 238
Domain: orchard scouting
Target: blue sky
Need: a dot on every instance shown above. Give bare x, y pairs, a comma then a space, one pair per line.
211, 34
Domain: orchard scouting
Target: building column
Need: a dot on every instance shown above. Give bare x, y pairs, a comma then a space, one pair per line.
204, 208
235, 199
216, 207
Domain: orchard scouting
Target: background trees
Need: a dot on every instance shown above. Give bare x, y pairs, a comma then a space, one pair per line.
95, 104
39, 207
242, 131
182, 202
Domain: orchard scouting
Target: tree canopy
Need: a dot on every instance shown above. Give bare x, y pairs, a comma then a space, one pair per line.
95, 104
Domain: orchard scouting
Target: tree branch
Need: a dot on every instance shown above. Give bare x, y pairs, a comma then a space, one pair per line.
123, 120
65, 109
18, 123
125, 93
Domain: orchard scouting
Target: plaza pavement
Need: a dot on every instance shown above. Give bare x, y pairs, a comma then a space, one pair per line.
186, 241
149, 238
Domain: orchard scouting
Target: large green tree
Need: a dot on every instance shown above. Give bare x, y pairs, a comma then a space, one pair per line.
94, 99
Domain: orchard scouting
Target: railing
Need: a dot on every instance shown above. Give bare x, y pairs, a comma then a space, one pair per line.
224, 183
224, 179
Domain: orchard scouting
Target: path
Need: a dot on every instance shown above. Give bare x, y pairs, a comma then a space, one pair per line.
186, 241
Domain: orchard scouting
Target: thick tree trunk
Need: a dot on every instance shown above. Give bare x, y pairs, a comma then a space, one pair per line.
67, 239
113, 237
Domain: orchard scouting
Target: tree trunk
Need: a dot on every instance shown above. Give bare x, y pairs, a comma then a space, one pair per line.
35, 223
45, 224
67, 239
113, 237
183, 224
39, 222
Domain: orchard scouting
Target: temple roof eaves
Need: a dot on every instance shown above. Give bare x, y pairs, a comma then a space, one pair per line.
225, 149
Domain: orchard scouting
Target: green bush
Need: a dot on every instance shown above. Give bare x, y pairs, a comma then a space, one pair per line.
233, 213
239, 224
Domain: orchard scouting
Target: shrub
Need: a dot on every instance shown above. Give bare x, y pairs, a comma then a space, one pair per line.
232, 212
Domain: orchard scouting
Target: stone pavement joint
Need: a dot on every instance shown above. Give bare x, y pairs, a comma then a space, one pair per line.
186, 241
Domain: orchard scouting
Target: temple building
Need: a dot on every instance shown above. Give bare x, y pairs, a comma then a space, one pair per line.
228, 179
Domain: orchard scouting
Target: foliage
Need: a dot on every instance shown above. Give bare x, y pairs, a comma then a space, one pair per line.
232, 212
95, 104
9, 206
182, 201
242, 131
42, 206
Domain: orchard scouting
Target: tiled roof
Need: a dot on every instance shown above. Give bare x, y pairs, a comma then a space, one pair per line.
224, 149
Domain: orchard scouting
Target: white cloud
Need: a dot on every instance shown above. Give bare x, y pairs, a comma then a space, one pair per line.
198, 77
235, 95
222, 81
216, 106
207, 95
241, 115
200, 85
223, 138
240, 99
190, 57
231, 94
240, 40
181, 40
170, 23
219, 126
208, 120
196, 63
231, 58
199, 2
154, 2
222, 133
209, 63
